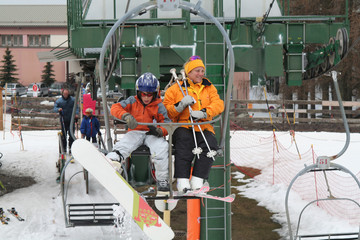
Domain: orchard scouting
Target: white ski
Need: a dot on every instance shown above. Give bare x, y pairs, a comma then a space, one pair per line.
102, 169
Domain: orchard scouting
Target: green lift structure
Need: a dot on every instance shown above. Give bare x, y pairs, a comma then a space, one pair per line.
270, 47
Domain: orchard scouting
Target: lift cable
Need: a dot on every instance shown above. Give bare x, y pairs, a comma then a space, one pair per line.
262, 23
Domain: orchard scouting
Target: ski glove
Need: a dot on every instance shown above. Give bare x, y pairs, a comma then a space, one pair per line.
117, 166
157, 132
116, 161
197, 115
130, 120
186, 101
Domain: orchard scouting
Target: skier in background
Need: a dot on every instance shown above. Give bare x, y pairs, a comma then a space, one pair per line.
64, 105
145, 107
90, 126
88, 102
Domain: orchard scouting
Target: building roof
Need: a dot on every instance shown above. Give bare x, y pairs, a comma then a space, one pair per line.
33, 15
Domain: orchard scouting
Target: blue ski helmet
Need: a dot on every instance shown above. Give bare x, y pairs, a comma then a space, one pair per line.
147, 83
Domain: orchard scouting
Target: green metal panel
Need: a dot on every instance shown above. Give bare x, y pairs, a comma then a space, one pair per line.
294, 48
139, 170
315, 32
296, 33
129, 69
150, 60
293, 64
88, 37
215, 74
274, 60
275, 33
249, 53
249, 59
294, 79
172, 57
214, 53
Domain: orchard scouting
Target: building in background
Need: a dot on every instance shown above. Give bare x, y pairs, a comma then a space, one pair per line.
30, 29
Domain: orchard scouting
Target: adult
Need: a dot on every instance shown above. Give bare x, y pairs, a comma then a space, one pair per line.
205, 104
64, 105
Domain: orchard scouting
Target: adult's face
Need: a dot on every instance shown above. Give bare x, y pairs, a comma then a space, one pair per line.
66, 93
197, 74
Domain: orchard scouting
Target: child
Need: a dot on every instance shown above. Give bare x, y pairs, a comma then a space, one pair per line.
90, 126
88, 102
145, 107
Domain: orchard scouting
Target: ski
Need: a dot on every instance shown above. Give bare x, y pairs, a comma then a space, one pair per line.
3, 219
15, 214
228, 199
202, 192
205, 188
103, 170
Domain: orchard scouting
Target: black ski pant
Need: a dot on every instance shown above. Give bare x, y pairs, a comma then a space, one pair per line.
184, 144
67, 134
93, 139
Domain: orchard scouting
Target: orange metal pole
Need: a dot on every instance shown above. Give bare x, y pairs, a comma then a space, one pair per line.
193, 223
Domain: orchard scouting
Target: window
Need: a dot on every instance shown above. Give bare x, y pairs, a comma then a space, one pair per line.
11, 40
39, 40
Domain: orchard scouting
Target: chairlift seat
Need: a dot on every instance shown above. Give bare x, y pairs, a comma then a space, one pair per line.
90, 214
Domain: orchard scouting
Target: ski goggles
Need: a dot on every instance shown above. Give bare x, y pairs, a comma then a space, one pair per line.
146, 94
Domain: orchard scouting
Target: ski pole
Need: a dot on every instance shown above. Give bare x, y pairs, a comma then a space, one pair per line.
292, 132
271, 121
197, 150
211, 153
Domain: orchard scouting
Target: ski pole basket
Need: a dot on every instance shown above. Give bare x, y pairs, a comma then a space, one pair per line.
90, 214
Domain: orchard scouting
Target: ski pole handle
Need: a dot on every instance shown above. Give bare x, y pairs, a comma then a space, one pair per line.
173, 72
182, 71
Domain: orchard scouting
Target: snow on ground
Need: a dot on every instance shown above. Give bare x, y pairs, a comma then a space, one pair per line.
41, 204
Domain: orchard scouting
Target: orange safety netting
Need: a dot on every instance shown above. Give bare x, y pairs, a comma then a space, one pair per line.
279, 165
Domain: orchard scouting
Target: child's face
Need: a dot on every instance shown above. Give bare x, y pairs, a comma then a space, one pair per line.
146, 97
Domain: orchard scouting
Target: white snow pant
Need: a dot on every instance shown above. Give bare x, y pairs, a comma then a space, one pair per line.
158, 148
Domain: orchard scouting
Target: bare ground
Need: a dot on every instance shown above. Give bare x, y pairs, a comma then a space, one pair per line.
249, 221
9, 183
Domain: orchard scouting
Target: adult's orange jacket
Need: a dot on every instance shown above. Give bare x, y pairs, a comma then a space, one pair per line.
206, 96
153, 112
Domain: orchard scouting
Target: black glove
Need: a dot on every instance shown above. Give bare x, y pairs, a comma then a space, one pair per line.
130, 120
157, 132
